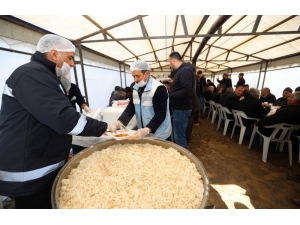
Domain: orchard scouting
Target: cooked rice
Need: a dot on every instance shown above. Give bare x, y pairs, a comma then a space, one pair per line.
133, 176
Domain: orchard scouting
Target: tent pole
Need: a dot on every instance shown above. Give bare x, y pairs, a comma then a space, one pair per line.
83, 74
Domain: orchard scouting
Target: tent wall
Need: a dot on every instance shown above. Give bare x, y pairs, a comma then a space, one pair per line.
293, 61
25, 39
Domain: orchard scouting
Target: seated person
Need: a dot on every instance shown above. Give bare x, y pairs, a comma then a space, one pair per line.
224, 88
74, 94
223, 96
266, 96
209, 83
252, 107
289, 114
283, 100
208, 93
246, 89
233, 99
216, 95
128, 92
118, 94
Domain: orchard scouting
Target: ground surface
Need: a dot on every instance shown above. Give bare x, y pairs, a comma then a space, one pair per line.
238, 176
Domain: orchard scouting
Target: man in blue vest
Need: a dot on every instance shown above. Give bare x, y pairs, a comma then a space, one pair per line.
149, 102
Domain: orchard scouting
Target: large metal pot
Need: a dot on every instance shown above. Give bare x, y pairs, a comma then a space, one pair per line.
74, 162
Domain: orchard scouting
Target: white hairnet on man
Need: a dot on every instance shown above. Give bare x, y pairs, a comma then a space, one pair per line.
51, 41
55, 45
139, 65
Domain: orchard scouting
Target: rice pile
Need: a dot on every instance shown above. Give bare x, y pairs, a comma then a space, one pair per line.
133, 176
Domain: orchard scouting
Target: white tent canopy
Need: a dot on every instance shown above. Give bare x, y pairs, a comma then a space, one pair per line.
241, 41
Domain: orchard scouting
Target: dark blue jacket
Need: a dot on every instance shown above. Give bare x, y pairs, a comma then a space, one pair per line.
37, 122
270, 98
182, 87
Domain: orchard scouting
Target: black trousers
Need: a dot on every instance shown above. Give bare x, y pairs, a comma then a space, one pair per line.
39, 200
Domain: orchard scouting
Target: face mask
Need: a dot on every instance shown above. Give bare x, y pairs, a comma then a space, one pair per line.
64, 70
142, 83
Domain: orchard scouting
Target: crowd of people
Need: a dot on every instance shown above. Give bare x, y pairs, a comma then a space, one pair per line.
258, 104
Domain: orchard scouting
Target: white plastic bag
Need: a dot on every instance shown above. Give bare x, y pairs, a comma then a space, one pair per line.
120, 103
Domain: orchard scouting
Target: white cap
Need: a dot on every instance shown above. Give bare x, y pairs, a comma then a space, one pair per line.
139, 65
52, 41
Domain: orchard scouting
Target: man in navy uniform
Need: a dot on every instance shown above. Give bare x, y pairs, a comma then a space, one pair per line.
37, 122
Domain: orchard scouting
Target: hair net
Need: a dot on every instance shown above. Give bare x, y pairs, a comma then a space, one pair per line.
51, 41
139, 65
65, 82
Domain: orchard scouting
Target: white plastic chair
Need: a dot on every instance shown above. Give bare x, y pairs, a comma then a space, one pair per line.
1, 205
299, 145
216, 112
238, 115
206, 105
286, 131
223, 116
210, 102
236, 122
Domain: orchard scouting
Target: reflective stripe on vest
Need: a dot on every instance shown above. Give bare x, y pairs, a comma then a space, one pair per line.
29, 175
61, 88
79, 126
8, 91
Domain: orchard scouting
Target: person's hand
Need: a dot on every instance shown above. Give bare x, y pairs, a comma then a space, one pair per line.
87, 109
113, 127
139, 134
242, 98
